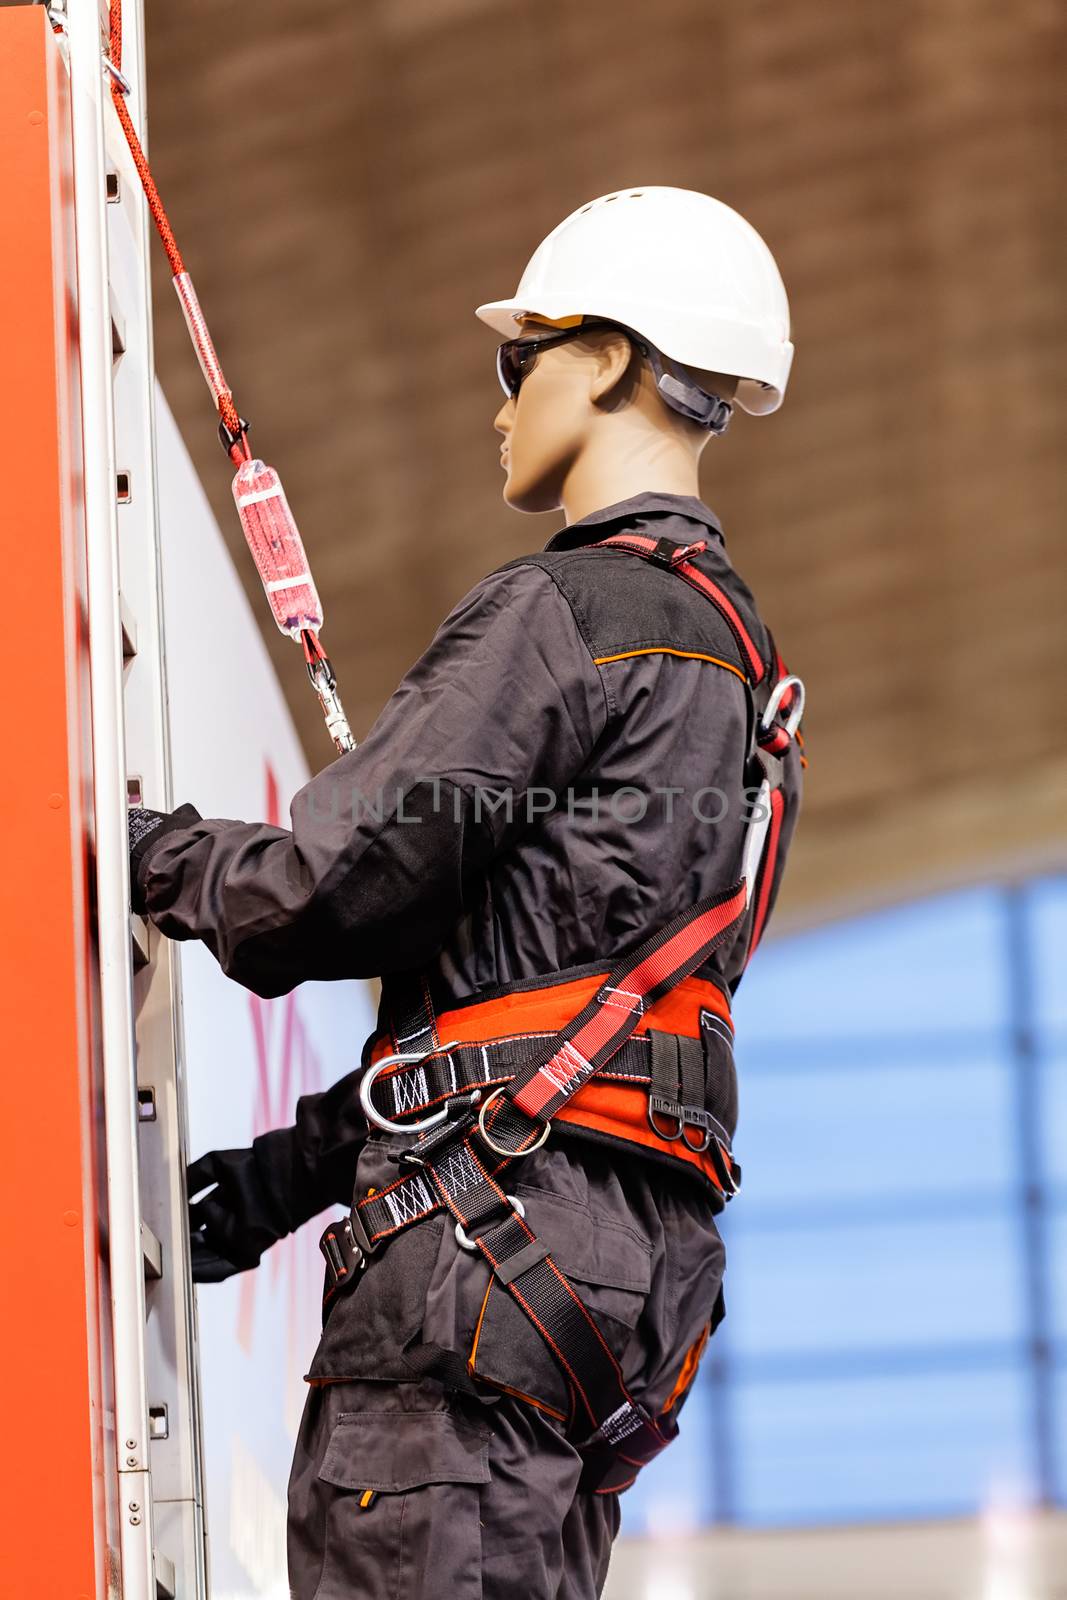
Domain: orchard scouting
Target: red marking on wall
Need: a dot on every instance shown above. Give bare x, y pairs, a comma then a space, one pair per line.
287, 1066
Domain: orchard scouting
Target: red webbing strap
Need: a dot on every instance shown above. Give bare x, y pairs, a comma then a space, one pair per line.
612, 1014
776, 739
766, 875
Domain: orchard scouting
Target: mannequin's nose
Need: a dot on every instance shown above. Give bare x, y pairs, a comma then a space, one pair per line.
498, 421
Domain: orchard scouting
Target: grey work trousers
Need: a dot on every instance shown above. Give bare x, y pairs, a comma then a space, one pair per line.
401, 1493
403, 1489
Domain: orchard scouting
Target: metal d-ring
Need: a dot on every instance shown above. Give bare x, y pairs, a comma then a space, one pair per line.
464, 1240
660, 1106
792, 722
370, 1077
498, 1149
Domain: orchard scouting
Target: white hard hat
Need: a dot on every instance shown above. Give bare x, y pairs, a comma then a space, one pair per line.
685, 271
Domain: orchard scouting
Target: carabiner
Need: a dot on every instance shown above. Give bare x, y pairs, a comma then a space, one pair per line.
778, 693
120, 77
370, 1077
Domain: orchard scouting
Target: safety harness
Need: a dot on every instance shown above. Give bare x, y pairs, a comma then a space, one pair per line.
579, 1051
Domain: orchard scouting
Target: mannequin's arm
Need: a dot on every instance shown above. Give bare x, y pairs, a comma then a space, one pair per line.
387, 842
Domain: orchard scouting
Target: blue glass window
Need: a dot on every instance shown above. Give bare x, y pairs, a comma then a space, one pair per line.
896, 1335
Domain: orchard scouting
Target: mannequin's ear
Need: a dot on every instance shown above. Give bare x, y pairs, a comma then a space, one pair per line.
615, 357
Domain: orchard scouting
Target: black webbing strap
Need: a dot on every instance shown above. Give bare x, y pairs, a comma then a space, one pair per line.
664, 1111
427, 1085
691, 1073
412, 1020
604, 1413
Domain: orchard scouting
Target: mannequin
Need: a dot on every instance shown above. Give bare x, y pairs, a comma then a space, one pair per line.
588, 428
499, 1359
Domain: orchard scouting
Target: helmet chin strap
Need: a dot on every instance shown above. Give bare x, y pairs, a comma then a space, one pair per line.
676, 390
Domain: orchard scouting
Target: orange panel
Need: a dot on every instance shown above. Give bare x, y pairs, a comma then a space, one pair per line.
58, 1453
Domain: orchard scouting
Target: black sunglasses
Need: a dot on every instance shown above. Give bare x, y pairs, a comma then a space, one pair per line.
515, 360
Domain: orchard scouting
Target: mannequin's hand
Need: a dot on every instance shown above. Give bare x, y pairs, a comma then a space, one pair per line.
206, 1264
231, 1225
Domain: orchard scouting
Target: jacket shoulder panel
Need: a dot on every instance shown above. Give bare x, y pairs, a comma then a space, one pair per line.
623, 604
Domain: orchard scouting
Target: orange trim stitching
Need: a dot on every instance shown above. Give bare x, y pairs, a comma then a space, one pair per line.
665, 650
478, 1328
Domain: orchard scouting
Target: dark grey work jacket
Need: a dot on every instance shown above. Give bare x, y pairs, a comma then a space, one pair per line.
558, 775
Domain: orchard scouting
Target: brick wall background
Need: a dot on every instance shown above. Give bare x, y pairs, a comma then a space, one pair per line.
349, 181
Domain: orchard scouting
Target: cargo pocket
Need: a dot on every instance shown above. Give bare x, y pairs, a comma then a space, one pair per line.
610, 1266
402, 1518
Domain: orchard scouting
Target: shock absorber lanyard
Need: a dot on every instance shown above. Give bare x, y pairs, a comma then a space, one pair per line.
268, 523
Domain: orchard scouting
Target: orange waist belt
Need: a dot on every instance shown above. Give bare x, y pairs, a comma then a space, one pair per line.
612, 1109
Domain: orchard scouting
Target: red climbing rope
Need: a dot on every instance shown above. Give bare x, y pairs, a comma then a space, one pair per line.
269, 527
236, 444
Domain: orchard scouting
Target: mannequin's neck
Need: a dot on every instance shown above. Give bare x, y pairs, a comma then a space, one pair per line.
624, 464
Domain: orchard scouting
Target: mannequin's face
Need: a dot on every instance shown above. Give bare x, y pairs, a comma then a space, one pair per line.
547, 424
591, 397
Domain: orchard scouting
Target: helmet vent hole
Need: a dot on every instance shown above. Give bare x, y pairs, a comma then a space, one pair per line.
609, 198
584, 209
636, 194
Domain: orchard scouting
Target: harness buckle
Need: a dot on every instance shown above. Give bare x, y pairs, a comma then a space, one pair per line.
666, 553
359, 1235
345, 1248
694, 1117
727, 1170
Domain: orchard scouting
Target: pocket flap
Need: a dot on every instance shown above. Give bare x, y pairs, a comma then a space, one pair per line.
587, 1246
399, 1450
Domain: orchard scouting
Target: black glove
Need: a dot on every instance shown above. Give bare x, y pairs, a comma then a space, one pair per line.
239, 1218
146, 828
268, 1191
